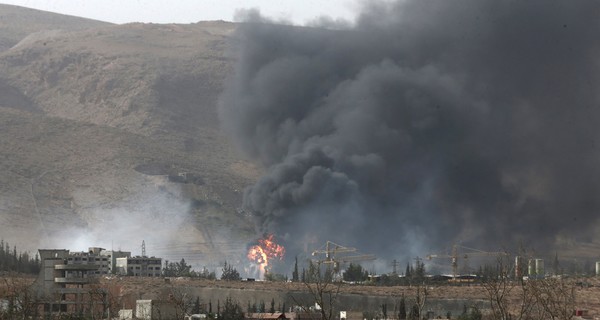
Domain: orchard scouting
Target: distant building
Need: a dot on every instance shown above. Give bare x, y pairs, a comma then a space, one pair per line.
112, 256
266, 316
156, 309
283, 316
91, 257
139, 266
125, 314
105, 259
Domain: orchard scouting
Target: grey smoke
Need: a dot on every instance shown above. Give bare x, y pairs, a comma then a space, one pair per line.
424, 124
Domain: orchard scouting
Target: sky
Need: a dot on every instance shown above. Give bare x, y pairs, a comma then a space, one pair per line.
189, 11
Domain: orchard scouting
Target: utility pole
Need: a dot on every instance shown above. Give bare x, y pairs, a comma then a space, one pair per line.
395, 265
143, 248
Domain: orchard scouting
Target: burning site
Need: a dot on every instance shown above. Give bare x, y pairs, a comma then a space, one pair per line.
413, 145
421, 125
262, 255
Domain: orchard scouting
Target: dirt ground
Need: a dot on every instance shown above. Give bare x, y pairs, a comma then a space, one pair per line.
587, 290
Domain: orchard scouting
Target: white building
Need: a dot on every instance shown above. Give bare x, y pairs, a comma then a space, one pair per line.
156, 309
139, 266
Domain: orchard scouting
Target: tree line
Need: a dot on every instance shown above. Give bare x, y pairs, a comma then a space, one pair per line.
12, 260
183, 269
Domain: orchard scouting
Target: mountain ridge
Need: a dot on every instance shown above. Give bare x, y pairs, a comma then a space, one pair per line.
85, 107
16, 22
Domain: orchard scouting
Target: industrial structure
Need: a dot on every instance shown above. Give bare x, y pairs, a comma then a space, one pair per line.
535, 269
465, 255
334, 254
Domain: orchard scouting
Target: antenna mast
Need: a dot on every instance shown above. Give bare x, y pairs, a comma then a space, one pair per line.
395, 266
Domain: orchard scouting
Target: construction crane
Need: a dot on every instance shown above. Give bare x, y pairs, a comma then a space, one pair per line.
455, 256
335, 254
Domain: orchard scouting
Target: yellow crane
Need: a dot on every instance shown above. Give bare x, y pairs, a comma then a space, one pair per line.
335, 254
454, 256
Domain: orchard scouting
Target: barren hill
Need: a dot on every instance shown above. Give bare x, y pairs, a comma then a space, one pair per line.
18, 22
110, 136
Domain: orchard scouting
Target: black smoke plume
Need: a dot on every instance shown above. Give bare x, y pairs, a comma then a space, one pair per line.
424, 124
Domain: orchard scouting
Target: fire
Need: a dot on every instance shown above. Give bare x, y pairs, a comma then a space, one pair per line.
265, 250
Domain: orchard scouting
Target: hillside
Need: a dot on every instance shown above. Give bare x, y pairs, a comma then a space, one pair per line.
18, 22
110, 136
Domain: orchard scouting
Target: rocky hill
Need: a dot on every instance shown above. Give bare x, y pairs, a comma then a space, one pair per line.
17, 22
109, 136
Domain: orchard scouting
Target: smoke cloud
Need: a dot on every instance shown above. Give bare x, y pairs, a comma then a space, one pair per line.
423, 124
157, 213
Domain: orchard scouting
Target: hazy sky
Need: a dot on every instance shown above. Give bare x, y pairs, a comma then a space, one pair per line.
186, 11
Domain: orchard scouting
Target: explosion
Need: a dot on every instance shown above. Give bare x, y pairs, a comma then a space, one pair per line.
265, 250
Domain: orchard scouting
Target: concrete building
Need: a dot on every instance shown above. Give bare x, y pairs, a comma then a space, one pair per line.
112, 256
105, 259
91, 257
64, 284
139, 266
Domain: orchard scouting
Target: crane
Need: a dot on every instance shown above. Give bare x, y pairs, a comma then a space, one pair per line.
454, 256
335, 254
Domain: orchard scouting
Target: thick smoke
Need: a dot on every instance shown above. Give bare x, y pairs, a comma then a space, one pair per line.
426, 123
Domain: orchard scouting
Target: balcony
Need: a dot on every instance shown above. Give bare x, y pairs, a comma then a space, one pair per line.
74, 280
77, 267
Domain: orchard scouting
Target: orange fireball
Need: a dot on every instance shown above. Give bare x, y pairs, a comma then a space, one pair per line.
265, 250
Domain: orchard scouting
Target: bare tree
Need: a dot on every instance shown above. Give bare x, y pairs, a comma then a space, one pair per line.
555, 296
520, 299
421, 298
322, 289
501, 291
183, 301
22, 302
